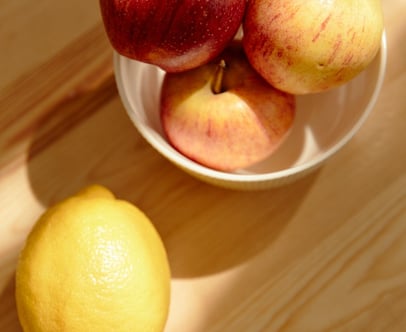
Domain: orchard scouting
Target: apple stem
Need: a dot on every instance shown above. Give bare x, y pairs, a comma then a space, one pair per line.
217, 83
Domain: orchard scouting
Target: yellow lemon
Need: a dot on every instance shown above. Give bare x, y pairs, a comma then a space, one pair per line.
93, 263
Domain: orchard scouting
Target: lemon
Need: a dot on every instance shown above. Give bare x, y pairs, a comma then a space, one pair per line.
93, 263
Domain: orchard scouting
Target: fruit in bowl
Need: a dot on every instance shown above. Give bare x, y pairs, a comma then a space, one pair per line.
174, 35
332, 99
224, 115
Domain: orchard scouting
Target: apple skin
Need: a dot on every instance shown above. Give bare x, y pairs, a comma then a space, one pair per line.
311, 46
174, 35
230, 130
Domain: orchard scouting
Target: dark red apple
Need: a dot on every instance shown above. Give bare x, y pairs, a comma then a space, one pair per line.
174, 35
224, 115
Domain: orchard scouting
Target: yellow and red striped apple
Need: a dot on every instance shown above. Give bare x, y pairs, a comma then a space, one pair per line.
314, 45
224, 115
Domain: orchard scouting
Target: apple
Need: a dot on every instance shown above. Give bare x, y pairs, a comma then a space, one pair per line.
224, 115
174, 35
311, 46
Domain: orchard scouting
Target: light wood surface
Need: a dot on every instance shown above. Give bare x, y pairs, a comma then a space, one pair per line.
326, 253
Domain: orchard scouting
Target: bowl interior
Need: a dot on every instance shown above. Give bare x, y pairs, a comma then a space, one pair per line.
324, 121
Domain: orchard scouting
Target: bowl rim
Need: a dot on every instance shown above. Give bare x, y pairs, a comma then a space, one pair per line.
191, 166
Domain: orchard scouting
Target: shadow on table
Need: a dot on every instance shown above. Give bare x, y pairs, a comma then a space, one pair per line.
90, 139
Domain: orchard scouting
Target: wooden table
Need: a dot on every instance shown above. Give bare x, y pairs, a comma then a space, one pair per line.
326, 253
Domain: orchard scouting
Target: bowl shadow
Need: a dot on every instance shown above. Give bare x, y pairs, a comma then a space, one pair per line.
206, 229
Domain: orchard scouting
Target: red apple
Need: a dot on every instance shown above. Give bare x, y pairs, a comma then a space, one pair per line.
174, 35
224, 115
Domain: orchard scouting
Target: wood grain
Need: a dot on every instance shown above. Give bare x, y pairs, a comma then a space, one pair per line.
326, 253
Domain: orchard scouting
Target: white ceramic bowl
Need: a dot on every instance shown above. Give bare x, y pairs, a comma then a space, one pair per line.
325, 122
